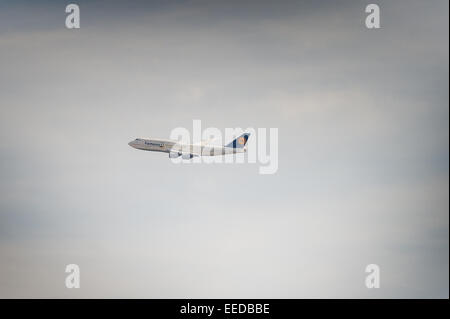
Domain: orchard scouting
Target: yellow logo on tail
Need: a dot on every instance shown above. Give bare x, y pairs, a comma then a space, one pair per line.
241, 140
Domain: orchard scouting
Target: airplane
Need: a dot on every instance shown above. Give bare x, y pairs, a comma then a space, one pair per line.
188, 151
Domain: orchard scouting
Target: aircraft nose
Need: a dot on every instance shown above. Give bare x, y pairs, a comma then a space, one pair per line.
131, 143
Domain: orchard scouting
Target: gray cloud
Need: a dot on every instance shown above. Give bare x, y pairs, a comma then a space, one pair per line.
363, 167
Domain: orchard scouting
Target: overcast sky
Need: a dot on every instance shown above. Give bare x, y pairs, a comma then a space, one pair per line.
363, 121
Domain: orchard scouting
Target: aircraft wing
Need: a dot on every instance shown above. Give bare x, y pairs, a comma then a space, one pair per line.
205, 142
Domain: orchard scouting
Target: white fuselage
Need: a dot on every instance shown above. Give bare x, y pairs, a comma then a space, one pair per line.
173, 147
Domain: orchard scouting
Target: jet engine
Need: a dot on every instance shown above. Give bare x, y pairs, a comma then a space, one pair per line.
174, 154
187, 156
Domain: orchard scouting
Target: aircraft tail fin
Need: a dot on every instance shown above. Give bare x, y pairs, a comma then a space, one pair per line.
239, 142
